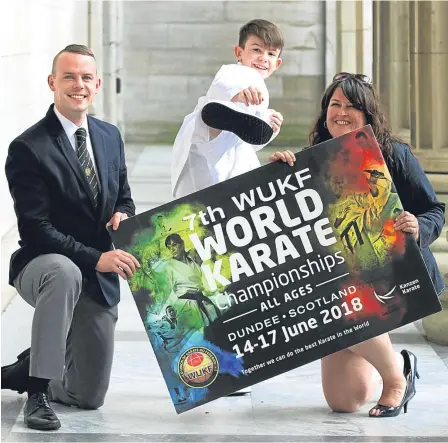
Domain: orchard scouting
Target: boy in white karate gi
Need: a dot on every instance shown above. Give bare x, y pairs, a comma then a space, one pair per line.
219, 139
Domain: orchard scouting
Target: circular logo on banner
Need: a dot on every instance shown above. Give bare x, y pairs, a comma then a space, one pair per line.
198, 367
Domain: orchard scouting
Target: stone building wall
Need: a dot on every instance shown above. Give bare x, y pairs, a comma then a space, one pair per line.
25, 64
173, 49
32, 32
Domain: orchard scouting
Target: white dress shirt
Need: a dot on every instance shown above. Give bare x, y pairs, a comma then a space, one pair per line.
70, 128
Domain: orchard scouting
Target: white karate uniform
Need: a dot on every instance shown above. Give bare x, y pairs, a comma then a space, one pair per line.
198, 161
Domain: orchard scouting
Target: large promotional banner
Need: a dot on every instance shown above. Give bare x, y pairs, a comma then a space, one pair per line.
274, 269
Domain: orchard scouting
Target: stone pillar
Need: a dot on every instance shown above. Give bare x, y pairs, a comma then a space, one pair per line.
429, 90
429, 108
331, 41
119, 43
364, 32
95, 43
391, 62
354, 36
111, 79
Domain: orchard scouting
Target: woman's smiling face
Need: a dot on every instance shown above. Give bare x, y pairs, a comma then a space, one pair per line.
342, 116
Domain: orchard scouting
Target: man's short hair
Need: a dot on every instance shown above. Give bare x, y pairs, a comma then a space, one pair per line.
266, 31
174, 238
74, 49
361, 134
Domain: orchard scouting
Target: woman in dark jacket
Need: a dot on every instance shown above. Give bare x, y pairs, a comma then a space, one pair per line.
350, 376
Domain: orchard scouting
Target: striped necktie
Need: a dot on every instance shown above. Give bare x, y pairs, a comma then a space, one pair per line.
86, 162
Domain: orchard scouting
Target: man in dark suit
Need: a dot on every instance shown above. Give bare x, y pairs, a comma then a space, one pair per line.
68, 179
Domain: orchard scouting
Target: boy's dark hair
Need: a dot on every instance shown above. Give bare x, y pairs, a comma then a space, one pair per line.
266, 31
174, 238
74, 49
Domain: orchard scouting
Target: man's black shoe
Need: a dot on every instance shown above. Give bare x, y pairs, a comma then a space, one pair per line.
250, 129
38, 413
16, 376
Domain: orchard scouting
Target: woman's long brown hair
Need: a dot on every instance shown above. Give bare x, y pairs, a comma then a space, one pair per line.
363, 96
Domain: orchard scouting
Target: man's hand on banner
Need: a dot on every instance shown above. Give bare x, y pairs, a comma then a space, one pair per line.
116, 219
407, 222
285, 156
121, 262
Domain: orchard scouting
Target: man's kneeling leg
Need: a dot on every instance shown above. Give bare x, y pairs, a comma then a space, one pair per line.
90, 348
51, 283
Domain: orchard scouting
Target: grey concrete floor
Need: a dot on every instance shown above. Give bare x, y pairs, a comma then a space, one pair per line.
290, 407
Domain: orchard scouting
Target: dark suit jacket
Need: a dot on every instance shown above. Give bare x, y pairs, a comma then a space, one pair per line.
54, 203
